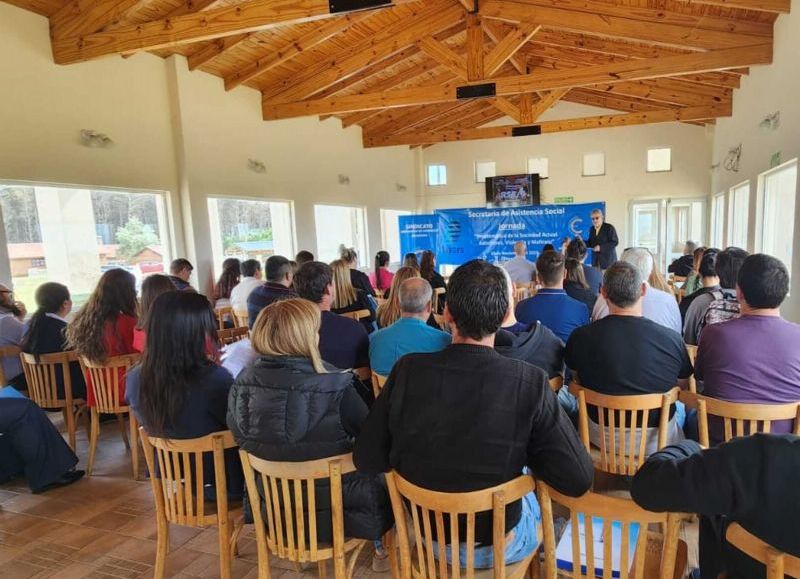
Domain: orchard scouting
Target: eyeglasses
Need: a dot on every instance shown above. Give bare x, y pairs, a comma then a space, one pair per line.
595, 219
6, 292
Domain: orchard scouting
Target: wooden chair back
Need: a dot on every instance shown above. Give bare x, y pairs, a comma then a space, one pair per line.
556, 382
437, 294
778, 564
41, 377
439, 318
286, 493
621, 420
357, 315
739, 418
241, 318
626, 514
231, 335
7, 352
429, 513
177, 479
105, 380
377, 383
692, 351
224, 314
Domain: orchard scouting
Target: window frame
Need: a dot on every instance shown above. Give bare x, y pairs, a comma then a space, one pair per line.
761, 200
428, 174
547, 167
733, 207
583, 164
362, 255
647, 160
717, 237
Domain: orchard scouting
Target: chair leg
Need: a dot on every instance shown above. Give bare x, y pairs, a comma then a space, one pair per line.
94, 434
390, 548
69, 420
122, 431
323, 569
134, 440
162, 547
238, 527
224, 552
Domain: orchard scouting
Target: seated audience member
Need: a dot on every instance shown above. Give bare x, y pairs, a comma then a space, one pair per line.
343, 342
104, 326
576, 249
389, 311
683, 265
410, 333
658, 305
358, 278
533, 343
625, 353
348, 298
250, 280
410, 260
381, 279
575, 284
178, 391
30, 446
277, 287
709, 281
750, 480
228, 279
152, 287
694, 279
291, 406
180, 271
721, 304
520, 269
754, 358
551, 305
303, 256
12, 330
45, 333
548, 247
427, 270
658, 281
508, 418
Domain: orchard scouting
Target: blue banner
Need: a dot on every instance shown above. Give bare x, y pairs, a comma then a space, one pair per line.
490, 234
417, 233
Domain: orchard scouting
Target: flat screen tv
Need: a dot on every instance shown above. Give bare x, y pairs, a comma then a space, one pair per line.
512, 190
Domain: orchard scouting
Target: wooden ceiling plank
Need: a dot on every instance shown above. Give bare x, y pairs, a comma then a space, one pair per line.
475, 65
494, 31
508, 46
526, 108
776, 6
626, 119
358, 118
444, 55
250, 16
547, 80
79, 17
429, 19
546, 101
618, 21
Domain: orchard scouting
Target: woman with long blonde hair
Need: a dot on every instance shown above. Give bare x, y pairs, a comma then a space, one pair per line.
290, 405
347, 298
657, 279
389, 311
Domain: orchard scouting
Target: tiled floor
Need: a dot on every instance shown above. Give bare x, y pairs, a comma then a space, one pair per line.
103, 527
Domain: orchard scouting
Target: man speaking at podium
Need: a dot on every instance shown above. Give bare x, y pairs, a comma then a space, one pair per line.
603, 241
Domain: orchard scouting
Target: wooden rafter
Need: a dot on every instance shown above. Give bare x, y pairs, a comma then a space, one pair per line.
584, 76
80, 17
626, 119
494, 30
214, 49
508, 46
474, 47
219, 22
759, 5
444, 55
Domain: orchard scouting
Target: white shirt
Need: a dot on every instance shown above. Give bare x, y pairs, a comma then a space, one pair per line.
11, 333
241, 292
520, 269
657, 305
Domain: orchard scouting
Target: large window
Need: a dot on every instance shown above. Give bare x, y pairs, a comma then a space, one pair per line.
778, 190
250, 229
339, 225
739, 204
437, 175
72, 235
718, 220
390, 232
659, 159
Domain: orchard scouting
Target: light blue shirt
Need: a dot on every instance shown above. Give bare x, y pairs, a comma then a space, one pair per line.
405, 336
657, 305
520, 269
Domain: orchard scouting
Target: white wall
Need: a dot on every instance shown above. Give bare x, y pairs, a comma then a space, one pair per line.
766, 90
180, 132
625, 150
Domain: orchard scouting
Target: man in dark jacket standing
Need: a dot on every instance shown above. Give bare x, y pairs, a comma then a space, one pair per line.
602, 241
467, 418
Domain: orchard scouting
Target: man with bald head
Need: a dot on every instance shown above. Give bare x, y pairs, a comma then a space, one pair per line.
520, 269
410, 334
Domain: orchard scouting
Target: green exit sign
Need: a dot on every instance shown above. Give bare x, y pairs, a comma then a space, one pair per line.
564, 200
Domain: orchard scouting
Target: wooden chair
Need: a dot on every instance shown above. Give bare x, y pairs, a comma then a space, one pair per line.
377, 383
224, 314
778, 564
609, 509
437, 293
289, 501
738, 418
104, 379
231, 335
7, 352
556, 382
40, 374
176, 475
620, 420
428, 511
692, 351
241, 318
357, 315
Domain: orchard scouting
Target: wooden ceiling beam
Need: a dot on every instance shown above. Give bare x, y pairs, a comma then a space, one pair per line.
79, 17
655, 26
494, 30
508, 46
214, 49
475, 66
505, 106
776, 6
617, 102
547, 80
596, 122
444, 55
250, 16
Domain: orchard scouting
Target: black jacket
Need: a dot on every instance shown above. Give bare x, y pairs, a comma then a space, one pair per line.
281, 409
538, 346
687, 300
360, 280
46, 336
582, 294
682, 266
607, 239
750, 480
362, 303
466, 419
